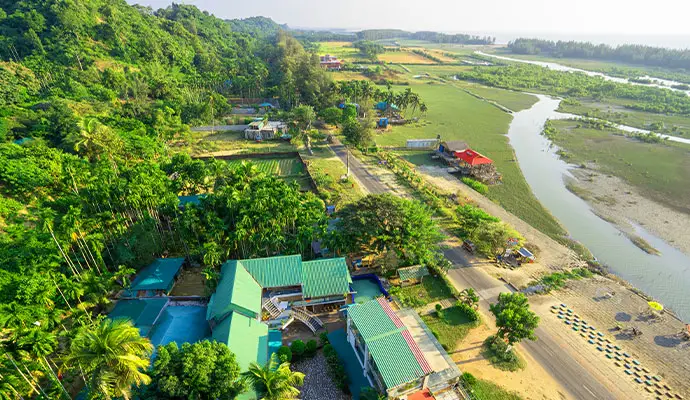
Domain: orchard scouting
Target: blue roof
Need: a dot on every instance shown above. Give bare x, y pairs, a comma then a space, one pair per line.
142, 312
266, 105
159, 275
525, 253
193, 199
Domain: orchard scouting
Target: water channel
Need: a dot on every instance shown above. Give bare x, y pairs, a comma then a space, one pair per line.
665, 277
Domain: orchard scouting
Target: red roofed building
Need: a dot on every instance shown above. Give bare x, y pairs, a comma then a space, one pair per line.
331, 62
472, 158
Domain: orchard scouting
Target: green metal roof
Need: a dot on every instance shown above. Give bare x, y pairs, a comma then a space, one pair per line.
159, 275
142, 312
325, 277
246, 337
394, 360
371, 320
413, 272
275, 272
236, 291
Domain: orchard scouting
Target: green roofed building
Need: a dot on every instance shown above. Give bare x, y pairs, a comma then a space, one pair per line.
397, 351
236, 291
156, 279
246, 337
412, 275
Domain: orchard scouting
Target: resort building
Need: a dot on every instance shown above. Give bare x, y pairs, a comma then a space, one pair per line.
265, 130
397, 351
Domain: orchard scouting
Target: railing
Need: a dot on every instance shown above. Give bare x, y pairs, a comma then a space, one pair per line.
310, 320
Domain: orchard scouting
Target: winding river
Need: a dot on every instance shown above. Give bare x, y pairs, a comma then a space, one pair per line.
665, 277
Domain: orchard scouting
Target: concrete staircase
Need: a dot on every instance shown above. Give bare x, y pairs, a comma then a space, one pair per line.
268, 305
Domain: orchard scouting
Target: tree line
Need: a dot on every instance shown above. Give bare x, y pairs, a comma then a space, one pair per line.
436, 37
627, 53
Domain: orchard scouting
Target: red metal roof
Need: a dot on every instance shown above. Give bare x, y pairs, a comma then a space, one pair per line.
472, 157
421, 395
417, 352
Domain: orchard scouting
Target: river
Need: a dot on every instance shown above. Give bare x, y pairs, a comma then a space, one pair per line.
661, 83
665, 277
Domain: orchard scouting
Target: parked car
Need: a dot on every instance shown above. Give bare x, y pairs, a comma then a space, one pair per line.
469, 246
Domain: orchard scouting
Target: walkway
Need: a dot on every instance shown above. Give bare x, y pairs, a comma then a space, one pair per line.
366, 180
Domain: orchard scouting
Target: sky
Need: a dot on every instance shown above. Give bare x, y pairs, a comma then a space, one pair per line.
495, 17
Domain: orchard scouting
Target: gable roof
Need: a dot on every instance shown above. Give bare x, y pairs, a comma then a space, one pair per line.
413, 272
236, 291
246, 337
397, 356
472, 157
275, 272
324, 277
157, 275
455, 145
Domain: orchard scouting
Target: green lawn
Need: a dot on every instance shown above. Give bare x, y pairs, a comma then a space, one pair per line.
456, 115
450, 329
342, 50
235, 143
430, 290
486, 390
661, 171
326, 168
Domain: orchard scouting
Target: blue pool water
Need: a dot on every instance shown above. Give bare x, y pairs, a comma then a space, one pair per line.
181, 324
275, 340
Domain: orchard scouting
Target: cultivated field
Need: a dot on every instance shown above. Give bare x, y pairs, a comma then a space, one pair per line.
274, 166
404, 57
342, 50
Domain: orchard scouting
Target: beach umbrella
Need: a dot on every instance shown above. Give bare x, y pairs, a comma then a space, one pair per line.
656, 306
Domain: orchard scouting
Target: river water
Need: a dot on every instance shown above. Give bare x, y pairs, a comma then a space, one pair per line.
661, 83
665, 277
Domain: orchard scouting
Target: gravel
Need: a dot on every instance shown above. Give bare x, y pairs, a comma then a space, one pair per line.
318, 385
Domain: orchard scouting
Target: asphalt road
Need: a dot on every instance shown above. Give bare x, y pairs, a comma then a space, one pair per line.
357, 168
567, 371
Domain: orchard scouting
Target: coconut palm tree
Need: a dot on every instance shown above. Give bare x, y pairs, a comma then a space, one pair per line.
113, 356
273, 381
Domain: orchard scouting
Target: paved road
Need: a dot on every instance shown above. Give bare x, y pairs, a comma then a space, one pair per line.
572, 376
567, 371
358, 169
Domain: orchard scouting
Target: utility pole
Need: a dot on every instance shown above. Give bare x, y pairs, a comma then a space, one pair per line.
213, 121
348, 162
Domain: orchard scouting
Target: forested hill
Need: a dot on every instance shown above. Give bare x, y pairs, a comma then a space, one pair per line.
632, 54
257, 26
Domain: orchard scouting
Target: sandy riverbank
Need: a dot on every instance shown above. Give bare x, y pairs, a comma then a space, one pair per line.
620, 203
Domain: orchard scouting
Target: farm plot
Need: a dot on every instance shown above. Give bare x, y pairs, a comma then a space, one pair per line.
274, 166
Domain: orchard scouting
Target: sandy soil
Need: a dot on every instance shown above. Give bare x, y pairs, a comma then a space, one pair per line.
616, 201
468, 357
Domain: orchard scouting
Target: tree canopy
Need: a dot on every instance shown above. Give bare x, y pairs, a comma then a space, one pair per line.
514, 319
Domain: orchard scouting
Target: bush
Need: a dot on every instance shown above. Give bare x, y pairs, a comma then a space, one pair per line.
298, 347
310, 348
468, 378
471, 313
284, 354
335, 368
476, 185
496, 351
323, 337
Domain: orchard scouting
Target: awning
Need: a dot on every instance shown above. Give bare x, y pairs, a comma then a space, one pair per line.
525, 253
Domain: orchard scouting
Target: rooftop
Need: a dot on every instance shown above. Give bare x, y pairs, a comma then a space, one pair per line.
397, 356
455, 145
472, 157
236, 291
247, 337
413, 272
142, 312
159, 275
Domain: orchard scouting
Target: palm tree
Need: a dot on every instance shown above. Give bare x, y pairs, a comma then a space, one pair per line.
114, 357
273, 381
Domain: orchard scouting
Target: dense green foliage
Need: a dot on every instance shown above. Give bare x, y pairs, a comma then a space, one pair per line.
514, 319
476, 185
369, 48
274, 381
201, 371
436, 37
378, 224
501, 355
536, 78
336, 370
628, 53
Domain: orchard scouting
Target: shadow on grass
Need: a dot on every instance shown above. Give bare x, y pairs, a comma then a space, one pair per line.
496, 352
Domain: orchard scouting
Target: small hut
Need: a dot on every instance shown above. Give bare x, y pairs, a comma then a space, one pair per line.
412, 275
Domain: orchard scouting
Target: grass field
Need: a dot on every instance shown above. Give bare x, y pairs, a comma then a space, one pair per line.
515, 101
615, 111
456, 115
342, 50
486, 390
274, 166
404, 57
450, 329
235, 143
661, 171
326, 169
431, 289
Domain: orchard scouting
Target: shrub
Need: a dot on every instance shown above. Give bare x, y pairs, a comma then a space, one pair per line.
496, 351
471, 313
476, 185
323, 337
310, 348
468, 378
284, 354
298, 347
335, 368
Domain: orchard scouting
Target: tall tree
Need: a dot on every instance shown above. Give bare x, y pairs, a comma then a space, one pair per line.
514, 319
274, 381
113, 356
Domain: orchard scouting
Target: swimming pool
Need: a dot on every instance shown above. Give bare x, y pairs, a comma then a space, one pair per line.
368, 287
181, 324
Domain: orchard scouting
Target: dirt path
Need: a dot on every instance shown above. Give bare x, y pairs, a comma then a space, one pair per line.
616, 201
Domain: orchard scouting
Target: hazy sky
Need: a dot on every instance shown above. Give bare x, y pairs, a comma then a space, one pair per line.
486, 16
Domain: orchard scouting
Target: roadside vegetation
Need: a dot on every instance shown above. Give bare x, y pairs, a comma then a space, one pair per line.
484, 390
557, 280
451, 325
